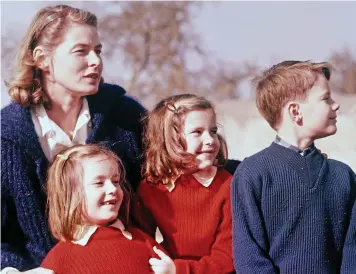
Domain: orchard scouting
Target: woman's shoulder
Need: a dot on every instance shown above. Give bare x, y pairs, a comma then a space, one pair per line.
113, 100
14, 120
113, 93
12, 112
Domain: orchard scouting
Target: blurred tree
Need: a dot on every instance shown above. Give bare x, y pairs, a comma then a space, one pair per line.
9, 44
162, 50
344, 75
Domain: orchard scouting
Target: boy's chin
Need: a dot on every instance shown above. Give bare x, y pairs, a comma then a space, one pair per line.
329, 132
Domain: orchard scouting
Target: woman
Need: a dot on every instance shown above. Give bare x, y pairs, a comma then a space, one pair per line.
59, 101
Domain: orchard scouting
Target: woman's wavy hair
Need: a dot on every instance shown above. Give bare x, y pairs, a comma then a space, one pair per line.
47, 29
165, 145
65, 199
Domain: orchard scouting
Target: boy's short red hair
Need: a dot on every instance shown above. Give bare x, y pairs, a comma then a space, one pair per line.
286, 81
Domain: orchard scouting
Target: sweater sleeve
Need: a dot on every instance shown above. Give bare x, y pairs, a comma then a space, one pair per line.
141, 215
249, 240
220, 258
348, 264
13, 250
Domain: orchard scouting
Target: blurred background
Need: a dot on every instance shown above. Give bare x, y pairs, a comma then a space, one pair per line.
156, 49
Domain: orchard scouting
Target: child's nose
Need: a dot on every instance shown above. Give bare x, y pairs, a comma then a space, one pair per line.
208, 139
110, 186
336, 106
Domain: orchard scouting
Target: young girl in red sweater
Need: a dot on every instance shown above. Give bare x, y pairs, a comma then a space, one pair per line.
186, 191
85, 195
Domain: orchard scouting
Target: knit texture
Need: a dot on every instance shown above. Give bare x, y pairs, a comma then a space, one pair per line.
25, 238
290, 213
107, 251
195, 222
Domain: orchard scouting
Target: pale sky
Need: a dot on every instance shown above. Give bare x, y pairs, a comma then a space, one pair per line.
263, 32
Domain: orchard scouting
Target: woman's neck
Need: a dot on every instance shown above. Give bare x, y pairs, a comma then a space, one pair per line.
64, 111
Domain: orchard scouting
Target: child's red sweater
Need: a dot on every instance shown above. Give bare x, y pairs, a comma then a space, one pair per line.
195, 222
107, 251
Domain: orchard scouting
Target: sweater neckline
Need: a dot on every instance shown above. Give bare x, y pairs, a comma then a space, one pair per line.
308, 167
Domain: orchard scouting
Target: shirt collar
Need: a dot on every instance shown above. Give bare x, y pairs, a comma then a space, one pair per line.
90, 230
84, 115
206, 182
303, 152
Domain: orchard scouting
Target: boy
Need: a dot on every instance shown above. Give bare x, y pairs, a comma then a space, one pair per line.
292, 207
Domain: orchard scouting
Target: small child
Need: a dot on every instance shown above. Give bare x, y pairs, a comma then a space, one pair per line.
291, 207
186, 190
84, 198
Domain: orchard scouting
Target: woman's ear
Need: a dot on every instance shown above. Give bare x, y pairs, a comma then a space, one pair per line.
40, 58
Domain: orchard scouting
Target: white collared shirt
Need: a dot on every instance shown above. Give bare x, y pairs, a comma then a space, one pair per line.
52, 138
83, 241
206, 182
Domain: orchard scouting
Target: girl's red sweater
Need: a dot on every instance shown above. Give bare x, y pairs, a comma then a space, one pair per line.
107, 251
195, 222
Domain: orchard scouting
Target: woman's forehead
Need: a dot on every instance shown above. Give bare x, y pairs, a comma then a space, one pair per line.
80, 34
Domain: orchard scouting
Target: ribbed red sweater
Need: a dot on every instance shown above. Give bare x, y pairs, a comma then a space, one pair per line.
195, 222
107, 251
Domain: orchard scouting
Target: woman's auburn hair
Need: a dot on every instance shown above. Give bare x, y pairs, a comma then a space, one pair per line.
47, 30
65, 199
165, 145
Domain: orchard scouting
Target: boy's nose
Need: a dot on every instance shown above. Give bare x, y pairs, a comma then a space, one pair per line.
336, 106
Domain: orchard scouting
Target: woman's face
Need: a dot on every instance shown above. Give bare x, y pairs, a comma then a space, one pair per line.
76, 64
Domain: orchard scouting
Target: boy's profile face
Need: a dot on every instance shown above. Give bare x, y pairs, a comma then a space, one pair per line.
319, 110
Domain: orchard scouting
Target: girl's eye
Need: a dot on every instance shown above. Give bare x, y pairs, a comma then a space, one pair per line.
196, 132
98, 51
116, 182
99, 183
214, 131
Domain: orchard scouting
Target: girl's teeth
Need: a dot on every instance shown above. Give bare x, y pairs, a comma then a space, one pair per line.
109, 203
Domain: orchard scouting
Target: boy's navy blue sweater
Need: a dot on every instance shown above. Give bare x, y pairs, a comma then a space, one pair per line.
291, 214
25, 237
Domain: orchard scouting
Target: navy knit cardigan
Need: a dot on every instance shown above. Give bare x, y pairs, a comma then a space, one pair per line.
25, 237
293, 214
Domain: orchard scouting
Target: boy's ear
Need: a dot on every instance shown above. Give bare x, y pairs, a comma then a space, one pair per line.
295, 112
40, 58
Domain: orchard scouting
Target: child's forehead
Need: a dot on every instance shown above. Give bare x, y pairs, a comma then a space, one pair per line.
100, 160
200, 113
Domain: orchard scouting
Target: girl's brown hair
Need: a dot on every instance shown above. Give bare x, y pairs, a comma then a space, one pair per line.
165, 145
47, 30
65, 201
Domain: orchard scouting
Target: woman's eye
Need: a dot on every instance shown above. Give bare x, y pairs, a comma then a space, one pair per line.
98, 51
80, 51
99, 183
